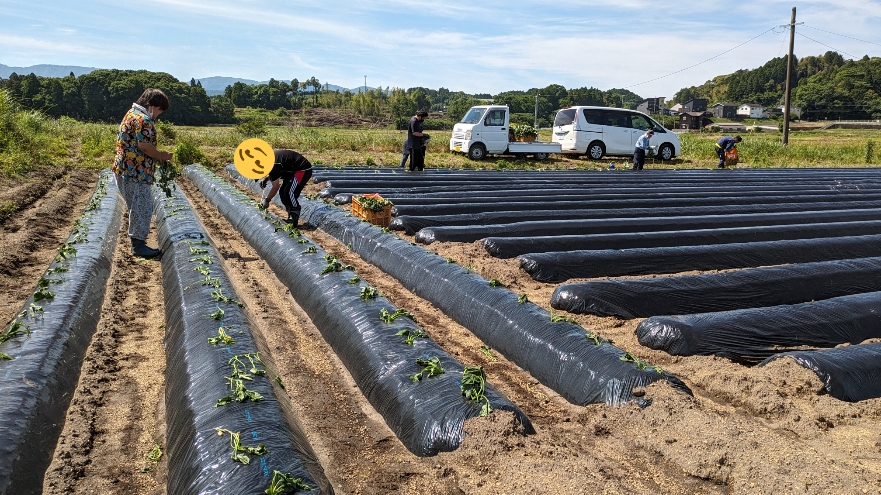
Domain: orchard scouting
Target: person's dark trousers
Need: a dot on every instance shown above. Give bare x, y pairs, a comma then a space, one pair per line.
721, 152
405, 157
417, 159
291, 187
638, 158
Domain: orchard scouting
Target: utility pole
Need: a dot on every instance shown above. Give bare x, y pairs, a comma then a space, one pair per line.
787, 94
535, 122
365, 83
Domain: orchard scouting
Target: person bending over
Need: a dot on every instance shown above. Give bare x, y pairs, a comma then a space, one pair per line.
290, 173
724, 145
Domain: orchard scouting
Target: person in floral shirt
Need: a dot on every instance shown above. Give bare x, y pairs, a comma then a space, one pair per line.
135, 165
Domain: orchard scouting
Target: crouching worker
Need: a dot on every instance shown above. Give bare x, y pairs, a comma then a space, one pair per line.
725, 145
290, 173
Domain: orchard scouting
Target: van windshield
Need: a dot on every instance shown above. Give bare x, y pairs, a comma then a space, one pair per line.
473, 116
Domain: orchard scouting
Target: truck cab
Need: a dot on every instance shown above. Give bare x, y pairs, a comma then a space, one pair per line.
485, 130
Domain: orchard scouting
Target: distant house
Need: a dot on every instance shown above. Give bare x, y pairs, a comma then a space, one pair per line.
650, 105
695, 105
751, 110
727, 127
677, 108
693, 120
793, 111
725, 110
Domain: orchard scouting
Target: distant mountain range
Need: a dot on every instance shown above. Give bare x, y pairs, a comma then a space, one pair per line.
45, 70
214, 85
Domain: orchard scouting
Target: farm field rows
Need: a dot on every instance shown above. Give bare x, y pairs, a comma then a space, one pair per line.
745, 430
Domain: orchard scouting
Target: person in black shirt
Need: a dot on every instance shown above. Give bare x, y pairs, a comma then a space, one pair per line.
293, 171
414, 139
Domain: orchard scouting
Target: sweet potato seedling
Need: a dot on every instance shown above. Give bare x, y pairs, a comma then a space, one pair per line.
369, 293
204, 270
354, 280
474, 387
217, 296
523, 299
630, 358
487, 352
42, 292
302, 241
430, 366
559, 318
16, 329
310, 249
153, 457
285, 483
195, 251
495, 283
240, 453
289, 229
387, 317
204, 259
411, 334
222, 338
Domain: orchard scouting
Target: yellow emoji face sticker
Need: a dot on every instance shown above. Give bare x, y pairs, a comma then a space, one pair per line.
254, 158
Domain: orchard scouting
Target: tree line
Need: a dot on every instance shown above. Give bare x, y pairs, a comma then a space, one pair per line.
825, 87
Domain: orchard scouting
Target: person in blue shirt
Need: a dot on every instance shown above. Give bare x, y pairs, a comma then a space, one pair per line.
724, 145
642, 145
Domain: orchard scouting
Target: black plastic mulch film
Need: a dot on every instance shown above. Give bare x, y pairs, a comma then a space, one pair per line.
750, 335
428, 417
558, 354
749, 288
510, 247
561, 266
38, 382
851, 373
472, 233
199, 373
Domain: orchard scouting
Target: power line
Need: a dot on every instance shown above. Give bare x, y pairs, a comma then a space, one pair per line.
699, 63
827, 46
842, 35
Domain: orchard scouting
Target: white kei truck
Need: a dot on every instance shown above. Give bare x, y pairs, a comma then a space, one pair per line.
485, 130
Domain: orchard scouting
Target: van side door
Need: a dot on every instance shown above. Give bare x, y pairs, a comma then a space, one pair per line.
639, 125
589, 128
616, 133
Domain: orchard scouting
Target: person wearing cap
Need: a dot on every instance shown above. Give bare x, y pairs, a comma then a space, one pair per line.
724, 145
290, 173
414, 141
642, 145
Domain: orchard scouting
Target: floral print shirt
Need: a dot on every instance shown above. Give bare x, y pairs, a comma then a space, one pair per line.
131, 163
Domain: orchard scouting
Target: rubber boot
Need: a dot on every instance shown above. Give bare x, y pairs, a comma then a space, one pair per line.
139, 248
293, 216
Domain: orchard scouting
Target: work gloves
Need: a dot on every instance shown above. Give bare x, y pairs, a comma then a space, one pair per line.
265, 204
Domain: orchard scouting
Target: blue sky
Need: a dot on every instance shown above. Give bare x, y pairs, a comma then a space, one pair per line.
472, 46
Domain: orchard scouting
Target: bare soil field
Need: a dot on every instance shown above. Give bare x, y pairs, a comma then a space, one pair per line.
746, 430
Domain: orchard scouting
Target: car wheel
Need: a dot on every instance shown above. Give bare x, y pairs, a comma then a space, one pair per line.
541, 156
596, 150
477, 152
666, 152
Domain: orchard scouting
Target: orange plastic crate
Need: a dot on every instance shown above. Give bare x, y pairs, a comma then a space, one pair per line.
381, 218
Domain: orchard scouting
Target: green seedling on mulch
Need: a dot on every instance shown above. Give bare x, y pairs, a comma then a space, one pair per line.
658, 369
411, 334
495, 283
240, 452
451, 260
42, 291
278, 381
237, 365
285, 483
559, 318
385, 230
354, 280
217, 315
302, 241
153, 457
57, 269
195, 251
430, 366
32, 310
523, 299
487, 352
239, 393
67, 251
222, 337
204, 259
217, 296
203, 242
474, 387
630, 358
17, 328
310, 249
290, 229
334, 265
470, 267
597, 340
387, 317
368, 292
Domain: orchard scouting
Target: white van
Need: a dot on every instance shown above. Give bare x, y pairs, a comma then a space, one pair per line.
601, 131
